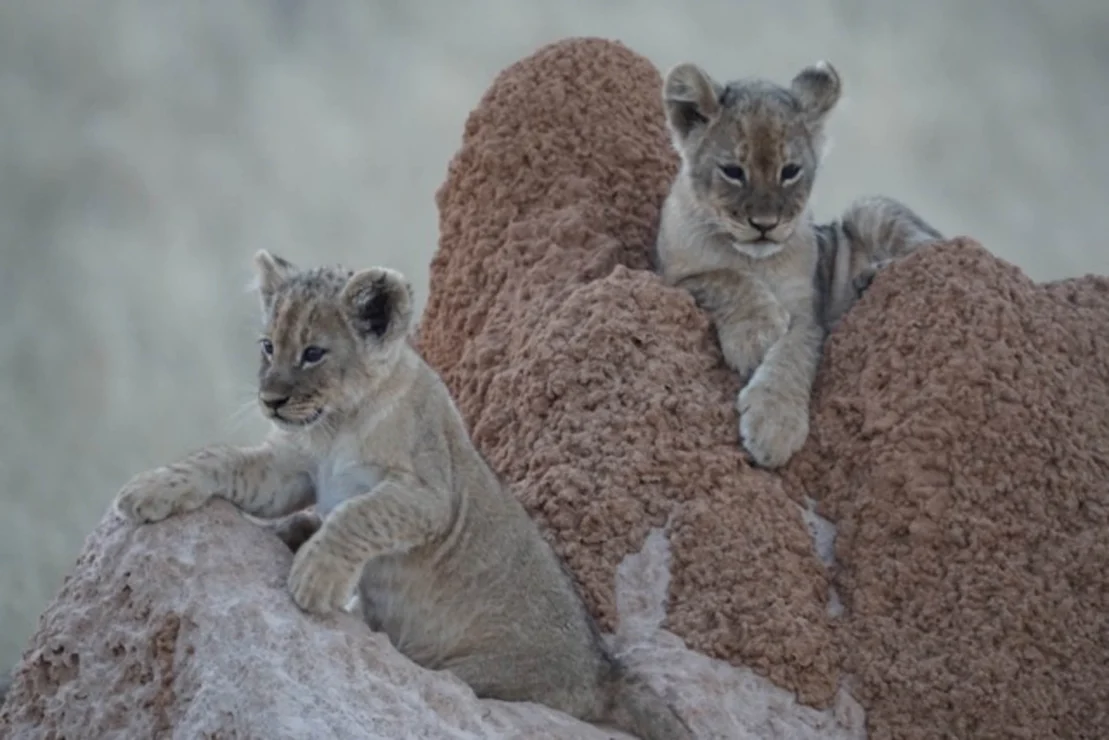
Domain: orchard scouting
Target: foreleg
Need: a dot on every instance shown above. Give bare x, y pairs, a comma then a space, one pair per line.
774, 405
265, 481
400, 514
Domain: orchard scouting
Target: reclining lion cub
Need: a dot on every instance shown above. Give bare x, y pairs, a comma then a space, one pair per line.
736, 232
446, 562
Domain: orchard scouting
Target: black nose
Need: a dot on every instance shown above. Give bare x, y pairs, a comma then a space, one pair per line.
762, 224
273, 403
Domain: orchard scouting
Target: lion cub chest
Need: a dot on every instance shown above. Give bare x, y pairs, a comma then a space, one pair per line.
788, 275
795, 292
341, 473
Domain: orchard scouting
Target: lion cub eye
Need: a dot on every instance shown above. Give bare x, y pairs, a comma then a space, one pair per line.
790, 172
312, 355
733, 172
267, 346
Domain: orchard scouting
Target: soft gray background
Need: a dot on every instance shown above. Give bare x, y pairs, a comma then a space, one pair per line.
147, 148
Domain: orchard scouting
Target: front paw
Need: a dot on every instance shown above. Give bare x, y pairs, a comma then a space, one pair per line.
319, 582
156, 494
861, 282
772, 425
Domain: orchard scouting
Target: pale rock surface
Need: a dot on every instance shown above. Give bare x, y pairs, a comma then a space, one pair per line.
183, 629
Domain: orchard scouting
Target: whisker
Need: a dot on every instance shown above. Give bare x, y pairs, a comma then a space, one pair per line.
238, 418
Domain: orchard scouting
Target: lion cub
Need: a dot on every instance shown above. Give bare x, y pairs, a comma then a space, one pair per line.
446, 562
735, 232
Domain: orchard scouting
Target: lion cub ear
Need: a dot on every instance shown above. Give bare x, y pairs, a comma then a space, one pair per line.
691, 99
272, 271
378, 302
817, 88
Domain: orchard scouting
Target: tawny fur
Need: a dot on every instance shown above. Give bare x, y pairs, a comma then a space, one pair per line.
446, 562
736, 232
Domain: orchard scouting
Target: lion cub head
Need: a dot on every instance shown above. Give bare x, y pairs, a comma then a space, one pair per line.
750, 148
329, 334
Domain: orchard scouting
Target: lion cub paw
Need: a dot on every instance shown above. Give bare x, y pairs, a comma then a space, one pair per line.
861, 282
320, 583
157, 494
772, 426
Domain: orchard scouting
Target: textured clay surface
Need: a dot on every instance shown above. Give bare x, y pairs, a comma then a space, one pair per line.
183, 629
596, 392
962, 446
960, 432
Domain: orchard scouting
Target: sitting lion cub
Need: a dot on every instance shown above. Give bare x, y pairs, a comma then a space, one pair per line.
446, 562
735, 232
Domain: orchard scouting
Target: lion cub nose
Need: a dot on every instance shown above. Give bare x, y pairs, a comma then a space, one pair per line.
763, 223
273, 401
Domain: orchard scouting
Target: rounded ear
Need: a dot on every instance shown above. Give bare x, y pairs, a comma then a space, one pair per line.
378, 303
817, 88
272, 271
691, 99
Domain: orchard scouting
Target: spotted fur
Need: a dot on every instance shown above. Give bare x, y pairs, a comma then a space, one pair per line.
445, 561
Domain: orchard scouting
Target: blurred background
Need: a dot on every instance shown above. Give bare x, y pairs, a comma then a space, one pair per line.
149, 147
